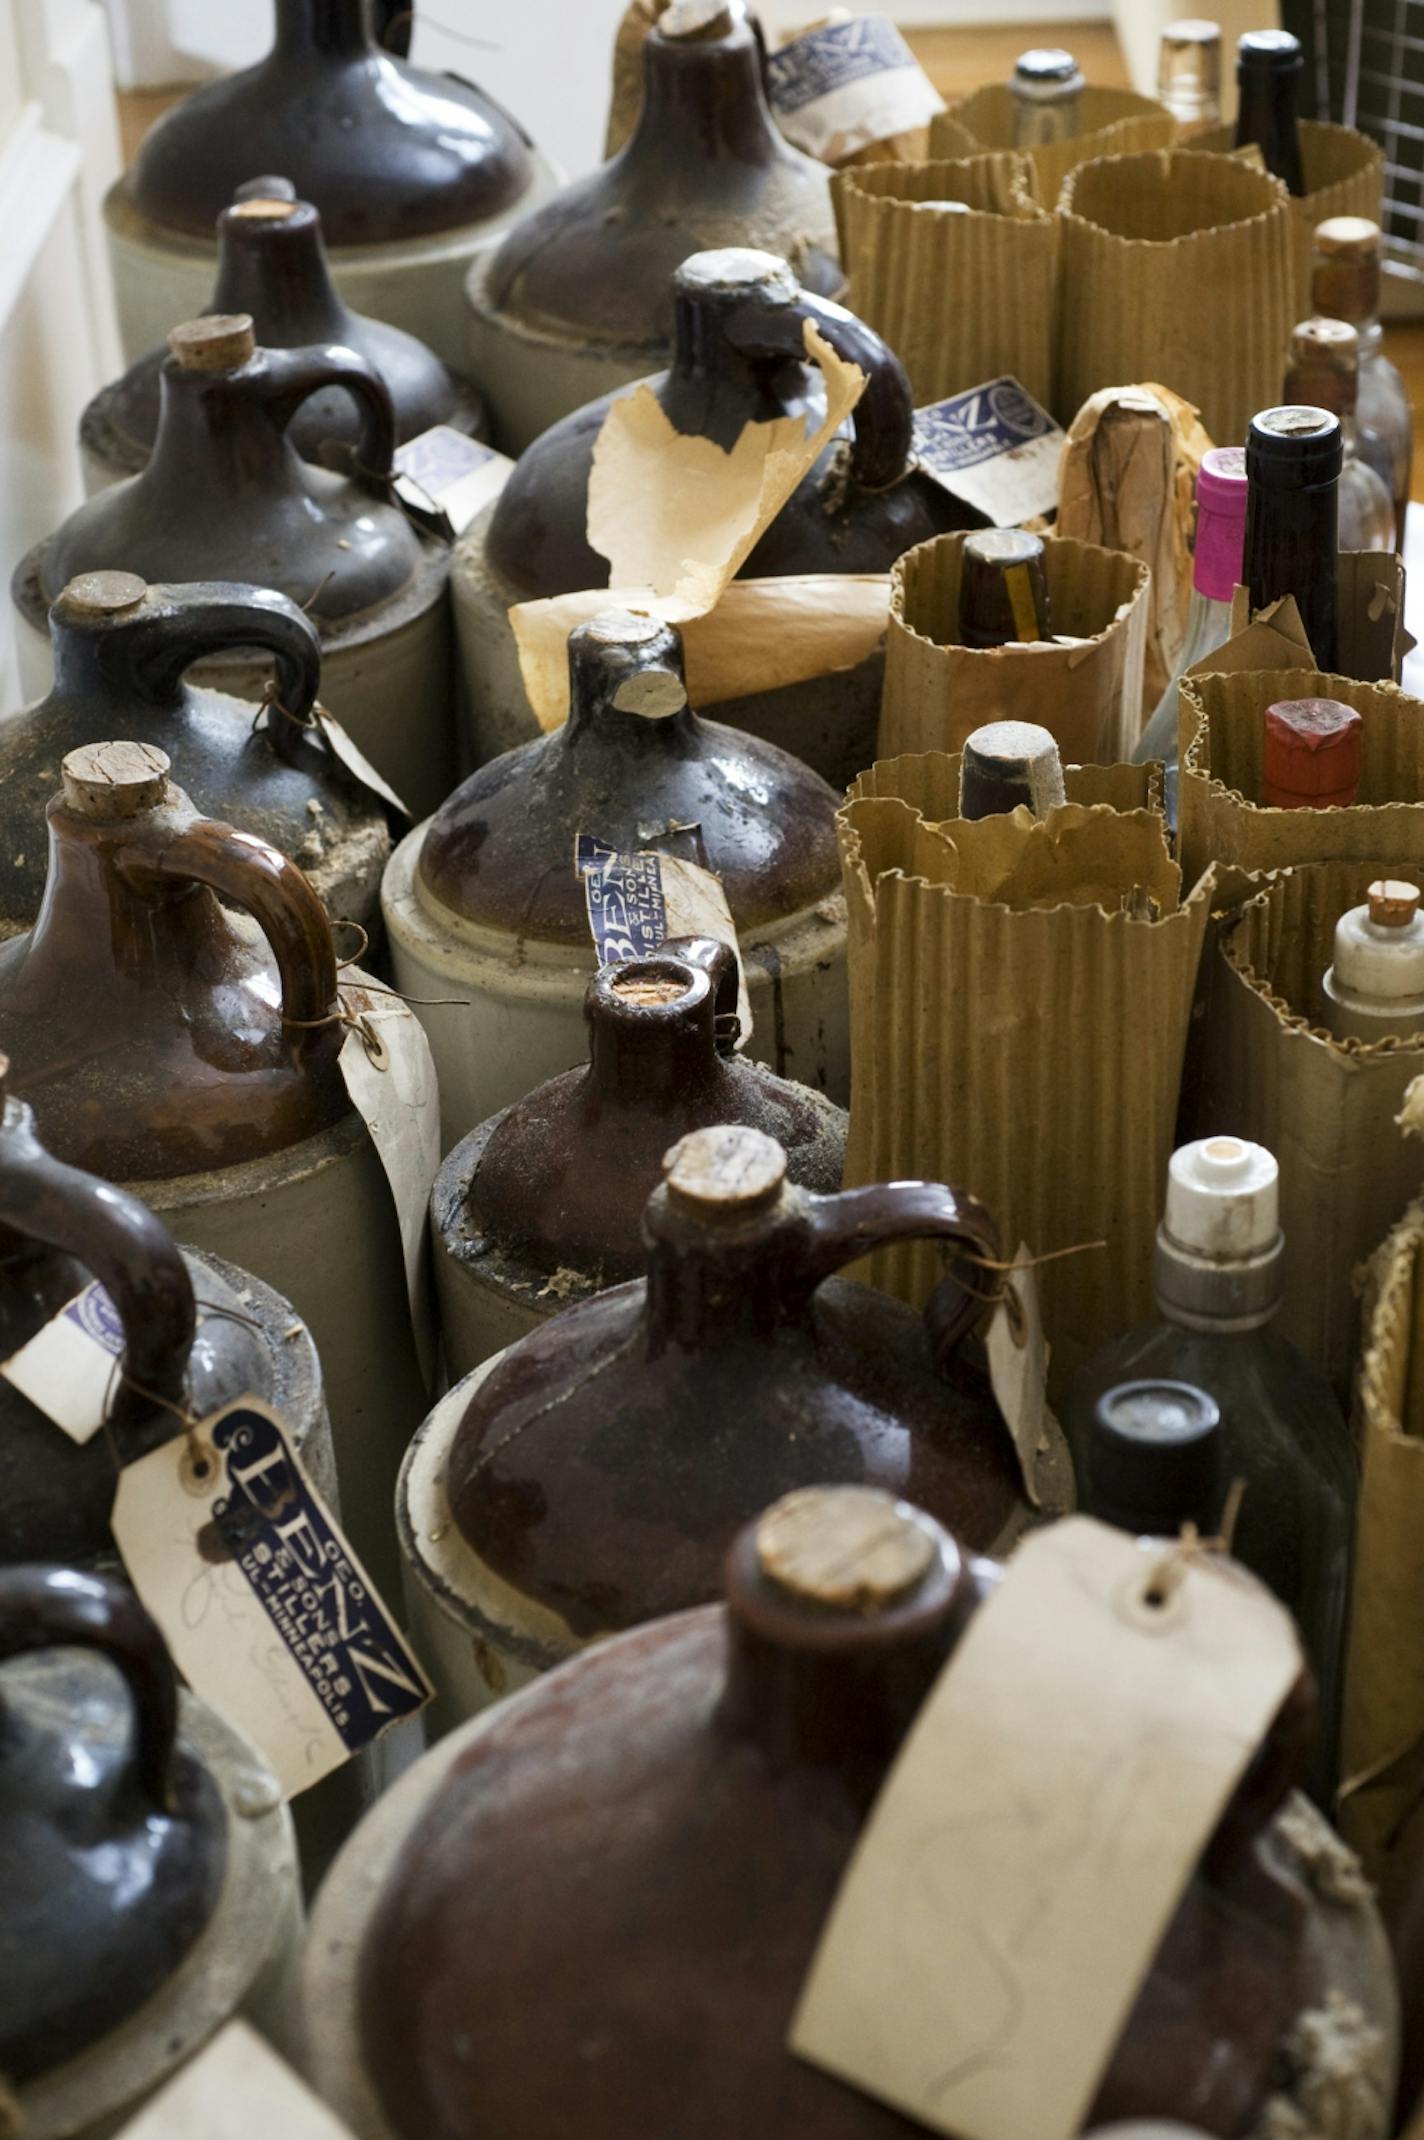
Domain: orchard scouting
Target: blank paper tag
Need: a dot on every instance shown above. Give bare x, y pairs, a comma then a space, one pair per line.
445, 477
636, 901
398, 1099
843, 85
993, 448
1017, 1355
1034, 1838
237, 2086
68, 1369
348, 752
269, 1615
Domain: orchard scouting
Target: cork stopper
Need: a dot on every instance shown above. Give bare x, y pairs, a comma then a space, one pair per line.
1346, 268
689, 21
648, 991
724, 1173
852, 1548
103, 594
1007, 764
267, 187
263, 208
112, 781
219, 342
1393, 904
1325, 364
1311, 756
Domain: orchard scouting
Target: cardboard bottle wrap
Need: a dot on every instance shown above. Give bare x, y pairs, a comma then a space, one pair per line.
1089, 695
1015, 1028
1222, 737
1326, 1108
1344, 175
1112, 122
1176, 266
959, 298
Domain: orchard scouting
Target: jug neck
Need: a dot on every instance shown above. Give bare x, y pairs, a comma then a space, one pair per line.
714, 386
626, 687
703, 94
652, 1037
322, 29
272, 264
212, 433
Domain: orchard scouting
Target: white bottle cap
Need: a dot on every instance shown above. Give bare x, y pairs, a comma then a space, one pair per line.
1379, 947
1222, 1199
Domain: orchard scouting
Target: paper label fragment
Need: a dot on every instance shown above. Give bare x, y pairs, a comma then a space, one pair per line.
845, 84
347, 752
69, 1369
444, 477
994, 449
235, 2087
1017, 1355
636, 901
397, 1097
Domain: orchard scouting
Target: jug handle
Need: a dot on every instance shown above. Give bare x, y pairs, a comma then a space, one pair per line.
849, 1224
883, 418
120, 1242
287, 377
719, 962
44, 1607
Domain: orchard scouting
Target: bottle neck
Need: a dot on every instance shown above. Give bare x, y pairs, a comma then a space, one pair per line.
275, 268
1216, 562
649, 1053
325, 29
703, 101
1221, 1297
1292, 548
1266, 118
211, 434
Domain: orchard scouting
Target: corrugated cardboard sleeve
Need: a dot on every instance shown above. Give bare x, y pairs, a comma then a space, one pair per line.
1221, 735
1090, 696
1016, 1032
1325, 1108
1111, 122
1177, 267
1344, 175
959, 298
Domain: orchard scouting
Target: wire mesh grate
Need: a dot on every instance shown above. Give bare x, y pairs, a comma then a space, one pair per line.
1365, 67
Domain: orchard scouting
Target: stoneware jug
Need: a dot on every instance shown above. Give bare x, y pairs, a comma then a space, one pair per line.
122, 655
414, 173
226, 496
654, 1835
738, 357
485, 909
575, 299
543, 1204
192, 1055
593, 1476
148, 1879
273, 265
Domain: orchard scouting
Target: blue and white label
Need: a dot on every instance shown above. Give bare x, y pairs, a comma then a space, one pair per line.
69, 1369
830, 56
636, 901
445, 477
842, 85
995, 449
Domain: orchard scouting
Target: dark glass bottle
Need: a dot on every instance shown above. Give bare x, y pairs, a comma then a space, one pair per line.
1008, 765
1003, 590
1268, 69
1294, 456
1155, 1459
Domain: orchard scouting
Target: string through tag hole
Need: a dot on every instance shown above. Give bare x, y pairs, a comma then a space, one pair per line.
198, 1460
359, 1021
1169, 1571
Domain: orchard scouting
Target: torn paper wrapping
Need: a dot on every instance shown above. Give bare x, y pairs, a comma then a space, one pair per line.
1127, 481
1089, 695
1176, 266
1344, 175
1326, 1108
848, 89
626, 99
1017, 1029
959, 298
1112, 122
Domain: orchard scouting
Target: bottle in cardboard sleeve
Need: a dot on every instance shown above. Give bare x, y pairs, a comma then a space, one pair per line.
576, 299
1047, 87
148, 1879
1325, 370
1293, 460
1009, 765
227, 497
1268, 70
1003, 589
273, 265
485, 903
1374, 985
543, 1204
193, 1058
738, 357
123, 652
415, 174
1310, 755
1189, 73
753, 1738
1216, 574
1345, 285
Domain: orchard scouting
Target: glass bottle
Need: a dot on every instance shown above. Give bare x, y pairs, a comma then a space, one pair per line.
1189, 73
1268, 70
1310, 755
1345, 285
1009, 765
1293, 460
1048, 88
1216, 1276
1216, 573
1374, 988
1325, 370
1003, 590
1155, 1459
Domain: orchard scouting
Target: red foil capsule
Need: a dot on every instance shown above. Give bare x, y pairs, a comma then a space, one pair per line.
1312, 754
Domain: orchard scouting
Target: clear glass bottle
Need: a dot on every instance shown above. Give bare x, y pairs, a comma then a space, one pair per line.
1216, 1276
1009, 765
1374, 986
1293, 460
1345, 285
1268, 70
1048, 91
1189, 73
1325, 371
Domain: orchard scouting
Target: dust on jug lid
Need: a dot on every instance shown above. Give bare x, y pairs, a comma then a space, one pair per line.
854, 1548
740, 268
725, 1173
218, 342
102, 594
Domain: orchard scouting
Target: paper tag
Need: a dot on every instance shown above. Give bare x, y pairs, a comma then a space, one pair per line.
993, 448
397, 1097
445, 476
1017, 1355
235, 2087
636, 901
842, 85
67, 1369
345, 749
1035, 1836
269, 1615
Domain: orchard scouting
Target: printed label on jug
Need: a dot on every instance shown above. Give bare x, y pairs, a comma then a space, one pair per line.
70, 1368
348, 752
269, 1615
1033, 1839
842, 85
444, 477
389, 1072
235, 2087
636, 901
993, 448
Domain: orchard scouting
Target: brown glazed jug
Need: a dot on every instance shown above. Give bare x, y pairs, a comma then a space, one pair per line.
739, 320
655, 1834
543, 1203
272, 265
227, 497
122, 656
576, 299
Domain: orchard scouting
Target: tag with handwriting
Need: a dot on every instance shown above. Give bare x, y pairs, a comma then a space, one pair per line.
636, 901
444, 477
269, 1615
993, 448
846, 83
69, 1369
1034, 1838
394, 1090
236, 2086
